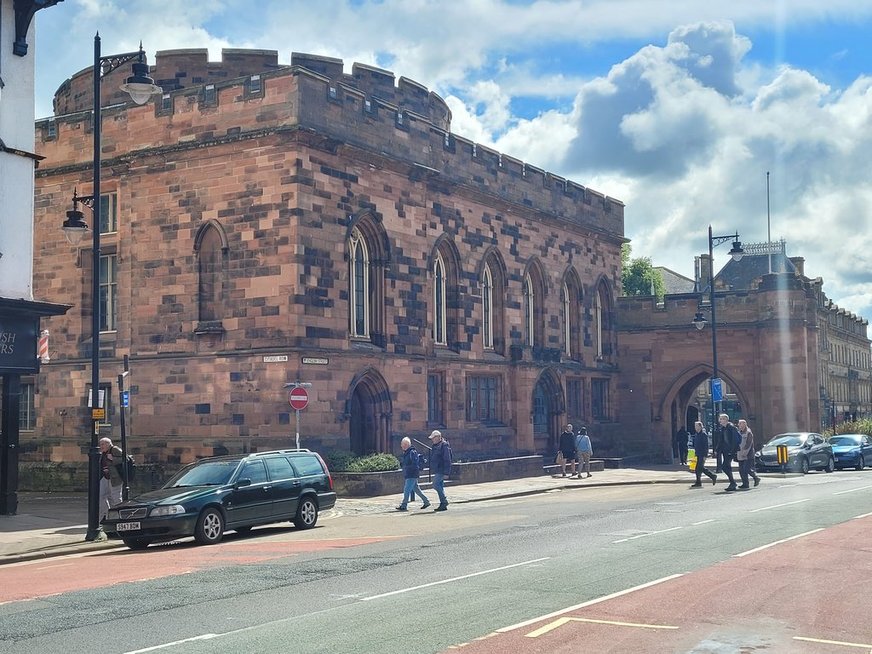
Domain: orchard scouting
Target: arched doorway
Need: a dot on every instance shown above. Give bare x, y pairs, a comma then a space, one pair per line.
547, 412
369, 411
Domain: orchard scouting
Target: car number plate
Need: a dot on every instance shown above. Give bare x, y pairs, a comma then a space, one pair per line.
127, 526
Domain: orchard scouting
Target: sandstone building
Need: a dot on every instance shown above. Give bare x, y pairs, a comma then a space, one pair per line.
789, 357
267, 224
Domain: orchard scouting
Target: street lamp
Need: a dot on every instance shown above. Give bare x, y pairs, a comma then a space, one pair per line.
140, 87
699, 320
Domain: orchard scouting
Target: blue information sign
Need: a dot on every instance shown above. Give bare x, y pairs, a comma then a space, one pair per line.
125, 398
717, 390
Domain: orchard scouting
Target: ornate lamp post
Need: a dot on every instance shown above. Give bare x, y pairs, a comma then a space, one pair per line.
140, 87
699, 320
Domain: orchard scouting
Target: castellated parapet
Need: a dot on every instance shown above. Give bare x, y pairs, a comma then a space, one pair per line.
247, 95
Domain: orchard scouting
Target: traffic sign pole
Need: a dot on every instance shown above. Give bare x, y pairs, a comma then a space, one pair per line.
298, 398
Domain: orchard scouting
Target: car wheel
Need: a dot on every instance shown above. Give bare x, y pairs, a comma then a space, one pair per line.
803, 465
307, 514
210, 527
831, 465
242, 530
861, 463
136, 543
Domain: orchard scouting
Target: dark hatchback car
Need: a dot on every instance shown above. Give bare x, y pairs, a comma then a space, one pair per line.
805, 450
852, 450
225, 493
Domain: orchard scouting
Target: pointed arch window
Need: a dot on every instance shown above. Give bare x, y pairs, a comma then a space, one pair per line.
567, 322
439, 301
210, 268
487, 306
529, 311
602, 321
359, 282
598, 323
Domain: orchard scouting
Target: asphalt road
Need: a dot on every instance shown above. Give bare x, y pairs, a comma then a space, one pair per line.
418, 582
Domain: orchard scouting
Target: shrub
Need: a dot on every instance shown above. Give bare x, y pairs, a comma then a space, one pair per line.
862, 426
339, 461
374, 463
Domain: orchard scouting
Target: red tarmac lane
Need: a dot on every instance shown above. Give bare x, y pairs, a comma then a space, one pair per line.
42, 578
809, 594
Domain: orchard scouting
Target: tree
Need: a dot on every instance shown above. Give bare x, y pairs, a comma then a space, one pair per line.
638, 276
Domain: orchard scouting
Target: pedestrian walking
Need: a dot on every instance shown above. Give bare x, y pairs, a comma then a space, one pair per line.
110, 477
681, 437
440, 466
585, 451
717, 439
701, 447
730, 441
411, 463
567, 450
745, 456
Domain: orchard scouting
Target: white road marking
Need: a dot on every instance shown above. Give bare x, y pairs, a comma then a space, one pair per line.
778, 506
852, 490
562, 621
173, 644
448, 581
703, 522
778, 542
833, 642
865, 515
604, 598
650, 533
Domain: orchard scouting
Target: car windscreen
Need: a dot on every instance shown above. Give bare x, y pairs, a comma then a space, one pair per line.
845, 440
786, 440
210, 473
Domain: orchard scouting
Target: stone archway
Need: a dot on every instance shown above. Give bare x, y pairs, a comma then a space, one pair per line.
370, 412
548, 409
677, 407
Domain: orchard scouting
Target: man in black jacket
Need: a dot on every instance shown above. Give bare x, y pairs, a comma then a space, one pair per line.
701, 447
567, 449
730, 439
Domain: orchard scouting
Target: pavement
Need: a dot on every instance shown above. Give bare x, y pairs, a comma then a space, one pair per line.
54, 524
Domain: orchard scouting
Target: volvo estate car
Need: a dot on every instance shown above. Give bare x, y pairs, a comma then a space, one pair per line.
224, 493
805, 451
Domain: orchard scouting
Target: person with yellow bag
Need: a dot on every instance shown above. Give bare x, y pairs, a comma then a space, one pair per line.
701, 449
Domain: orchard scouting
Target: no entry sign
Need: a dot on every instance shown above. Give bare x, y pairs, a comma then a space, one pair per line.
298, 398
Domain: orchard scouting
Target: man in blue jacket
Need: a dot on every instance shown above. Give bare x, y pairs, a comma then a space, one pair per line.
411, 464
440, 466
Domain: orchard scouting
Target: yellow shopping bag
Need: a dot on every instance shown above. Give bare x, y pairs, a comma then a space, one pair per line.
691, 459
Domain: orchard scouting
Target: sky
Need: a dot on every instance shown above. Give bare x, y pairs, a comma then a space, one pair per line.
678, 108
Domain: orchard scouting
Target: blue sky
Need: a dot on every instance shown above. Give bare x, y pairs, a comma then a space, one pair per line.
676, 107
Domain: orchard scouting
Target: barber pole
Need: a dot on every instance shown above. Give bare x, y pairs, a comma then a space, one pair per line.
42, 349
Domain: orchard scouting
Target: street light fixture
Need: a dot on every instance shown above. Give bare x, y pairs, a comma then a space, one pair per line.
699, 320
140, 87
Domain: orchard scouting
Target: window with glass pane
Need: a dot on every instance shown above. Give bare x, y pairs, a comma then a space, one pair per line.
108, 293
574, 398
599, 389
27, 410
482, 396
108, 213
528, 310
487, 305
434, 399
439, 301
359, 285
540, 410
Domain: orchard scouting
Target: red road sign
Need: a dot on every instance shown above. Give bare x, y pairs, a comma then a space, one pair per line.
298, 398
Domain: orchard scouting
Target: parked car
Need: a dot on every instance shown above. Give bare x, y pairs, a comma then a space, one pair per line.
851, 450
805, 450
222, 493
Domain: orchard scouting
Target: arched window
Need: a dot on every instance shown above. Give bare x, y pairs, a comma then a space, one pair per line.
602, 321
487, 308
571, 299
359, 282
439, 301
529, 311
210, 274
368, 257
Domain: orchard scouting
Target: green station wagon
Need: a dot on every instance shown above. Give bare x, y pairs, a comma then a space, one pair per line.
225, 493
